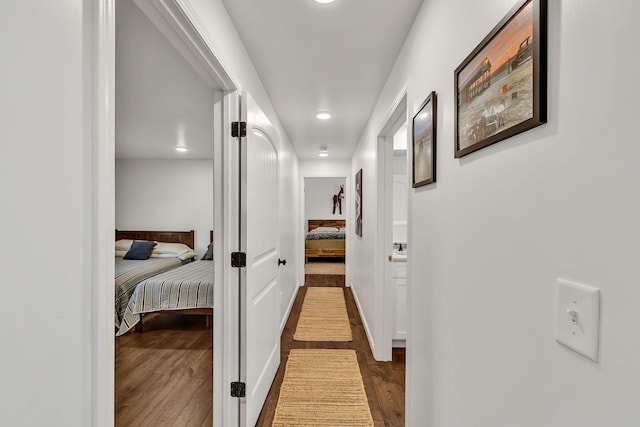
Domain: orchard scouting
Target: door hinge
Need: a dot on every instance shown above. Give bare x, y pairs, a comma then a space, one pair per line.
238, 389
239, 129
238, 259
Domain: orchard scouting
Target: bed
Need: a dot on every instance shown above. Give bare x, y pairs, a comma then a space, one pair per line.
325, 239
170, 280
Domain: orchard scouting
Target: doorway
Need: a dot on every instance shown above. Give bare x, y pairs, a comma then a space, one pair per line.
393, 180
325, 213
174, 23
164, 133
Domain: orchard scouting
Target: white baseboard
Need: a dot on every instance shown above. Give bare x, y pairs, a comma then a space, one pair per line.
399, 343
283, 322
364, 320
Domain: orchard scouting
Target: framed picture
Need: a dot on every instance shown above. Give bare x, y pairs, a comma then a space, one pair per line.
501, 87
359, 203
424, 142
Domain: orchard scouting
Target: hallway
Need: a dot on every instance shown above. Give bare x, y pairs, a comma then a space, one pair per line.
384, 382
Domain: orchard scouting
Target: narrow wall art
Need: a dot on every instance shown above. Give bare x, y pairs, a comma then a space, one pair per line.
358, 198
424, 142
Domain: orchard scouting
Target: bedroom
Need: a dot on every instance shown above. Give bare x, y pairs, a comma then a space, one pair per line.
163, 182
325, 213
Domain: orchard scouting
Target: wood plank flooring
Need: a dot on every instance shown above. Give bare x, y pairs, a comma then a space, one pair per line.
164, 376
384, 382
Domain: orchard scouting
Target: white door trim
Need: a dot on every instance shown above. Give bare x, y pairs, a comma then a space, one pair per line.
385, 296
178, 22
101, 77
348, 197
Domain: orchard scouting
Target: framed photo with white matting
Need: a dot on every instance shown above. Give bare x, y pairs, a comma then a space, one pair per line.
424, 142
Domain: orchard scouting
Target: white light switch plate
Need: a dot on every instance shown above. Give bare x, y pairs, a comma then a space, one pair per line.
578, 317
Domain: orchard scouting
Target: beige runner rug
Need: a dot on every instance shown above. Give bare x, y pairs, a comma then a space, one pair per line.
322, 388
331, 268
323, 316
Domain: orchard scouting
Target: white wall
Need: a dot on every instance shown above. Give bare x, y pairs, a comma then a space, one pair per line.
45, 185
400, 205
214, 24
400, 162
166, 195
290, 236
489, 239
325, 168
46, 217
318, 198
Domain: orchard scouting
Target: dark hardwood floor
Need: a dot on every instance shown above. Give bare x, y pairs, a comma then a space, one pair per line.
164, 376
384, 382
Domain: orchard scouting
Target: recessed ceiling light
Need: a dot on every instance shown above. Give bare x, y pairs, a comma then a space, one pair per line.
324, 115
324, 1
182, 149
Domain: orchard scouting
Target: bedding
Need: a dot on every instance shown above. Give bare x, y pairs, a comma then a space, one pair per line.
140, 250
208, 256
189, 286
131, 272
334, 234
160, 250
323, 230
326, 238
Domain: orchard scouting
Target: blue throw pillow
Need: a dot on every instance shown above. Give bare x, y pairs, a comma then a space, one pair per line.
209, 255
140, 250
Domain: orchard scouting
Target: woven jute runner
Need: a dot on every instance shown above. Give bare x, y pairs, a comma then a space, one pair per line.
323, 316
331, 268
322, 388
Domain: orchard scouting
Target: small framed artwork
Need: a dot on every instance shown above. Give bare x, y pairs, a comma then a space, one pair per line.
501, 87
358, 197
424, 142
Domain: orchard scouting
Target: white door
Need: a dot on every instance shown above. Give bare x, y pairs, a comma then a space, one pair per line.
260, 302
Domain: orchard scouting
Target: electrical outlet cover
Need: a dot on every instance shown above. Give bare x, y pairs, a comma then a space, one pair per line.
578, 317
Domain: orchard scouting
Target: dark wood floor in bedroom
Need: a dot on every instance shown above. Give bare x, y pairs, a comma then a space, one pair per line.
384, 382
164, 376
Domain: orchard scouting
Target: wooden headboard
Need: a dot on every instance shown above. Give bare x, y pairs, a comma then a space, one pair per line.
338, 223
186, 237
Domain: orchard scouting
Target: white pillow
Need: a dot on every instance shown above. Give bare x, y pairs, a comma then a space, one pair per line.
186, 255
342, 229
172, 250
123, 245
324, 230
162, 250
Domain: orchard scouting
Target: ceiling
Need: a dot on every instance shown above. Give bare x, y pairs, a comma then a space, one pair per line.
313, 56
161, 102
309, 56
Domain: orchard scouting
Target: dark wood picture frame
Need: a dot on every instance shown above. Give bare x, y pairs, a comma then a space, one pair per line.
501, 87
358, 193
423, 139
